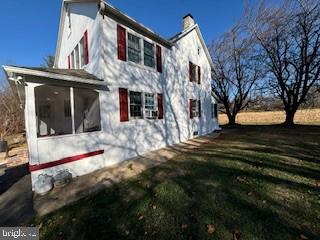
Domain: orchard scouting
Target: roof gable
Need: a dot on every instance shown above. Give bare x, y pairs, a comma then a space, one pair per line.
184, 33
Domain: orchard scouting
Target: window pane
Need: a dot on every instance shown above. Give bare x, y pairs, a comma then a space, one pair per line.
134, 49
82, 51
76, 55
149, 54
53, 111
195, 108
194, 73
86, 110
72, 60
136, 104
149, 106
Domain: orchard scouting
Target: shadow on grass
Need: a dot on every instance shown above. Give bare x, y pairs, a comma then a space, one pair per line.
233, 183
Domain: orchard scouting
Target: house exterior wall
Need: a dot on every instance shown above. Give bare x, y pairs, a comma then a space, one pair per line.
124, 140
83, 17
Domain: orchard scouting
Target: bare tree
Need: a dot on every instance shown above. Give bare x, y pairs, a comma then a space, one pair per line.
290, 38
11, 117
236, 70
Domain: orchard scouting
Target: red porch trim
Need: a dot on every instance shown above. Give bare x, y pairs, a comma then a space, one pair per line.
33, 168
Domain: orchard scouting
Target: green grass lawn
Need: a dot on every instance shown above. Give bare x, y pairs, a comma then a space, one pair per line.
256, 182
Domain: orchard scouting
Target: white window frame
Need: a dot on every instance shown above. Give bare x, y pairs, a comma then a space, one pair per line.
195, 69
141, 108
154, 53
154, 112
196, 112
141, 59
73, 54
142, 39
69, 22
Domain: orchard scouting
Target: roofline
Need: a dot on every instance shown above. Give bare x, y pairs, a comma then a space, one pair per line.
38, 73
122, 18
186, 32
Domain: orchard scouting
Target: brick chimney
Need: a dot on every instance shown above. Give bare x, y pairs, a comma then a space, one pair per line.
188, 21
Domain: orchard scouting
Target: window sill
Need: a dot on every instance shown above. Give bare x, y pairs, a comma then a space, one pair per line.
68, 135
141, 66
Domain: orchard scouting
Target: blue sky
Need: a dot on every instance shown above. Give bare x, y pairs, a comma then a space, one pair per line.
29, 28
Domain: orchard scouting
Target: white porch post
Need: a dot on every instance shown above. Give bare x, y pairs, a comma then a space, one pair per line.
31, 123
72, 110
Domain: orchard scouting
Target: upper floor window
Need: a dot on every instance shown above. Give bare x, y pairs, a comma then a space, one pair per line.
149, 54
194, 73
79, 57
134, 48
138, 50
69, 22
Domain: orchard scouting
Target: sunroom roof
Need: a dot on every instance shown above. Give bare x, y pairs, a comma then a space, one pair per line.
69, 75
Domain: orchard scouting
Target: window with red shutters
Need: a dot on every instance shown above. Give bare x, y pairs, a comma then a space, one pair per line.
199, 75
159, 59
86, 48
123, 102
122, 45
160, 106
190, 108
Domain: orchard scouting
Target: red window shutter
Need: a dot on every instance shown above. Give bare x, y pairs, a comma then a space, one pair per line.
190, 108
69, 62
159, 59
199, 75
160, 106
199, 105
190, 71
122, 43
86, 48
123, 103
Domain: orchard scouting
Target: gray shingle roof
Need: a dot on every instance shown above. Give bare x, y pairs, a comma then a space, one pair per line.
79, 73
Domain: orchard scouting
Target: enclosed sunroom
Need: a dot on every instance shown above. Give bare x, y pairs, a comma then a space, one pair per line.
61, 107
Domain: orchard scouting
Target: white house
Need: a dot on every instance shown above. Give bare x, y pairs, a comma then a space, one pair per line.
118, 90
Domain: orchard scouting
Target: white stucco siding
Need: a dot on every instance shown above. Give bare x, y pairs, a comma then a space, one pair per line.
83, 17
181, 89
120, 73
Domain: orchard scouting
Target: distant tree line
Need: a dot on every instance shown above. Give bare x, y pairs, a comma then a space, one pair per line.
269, 60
